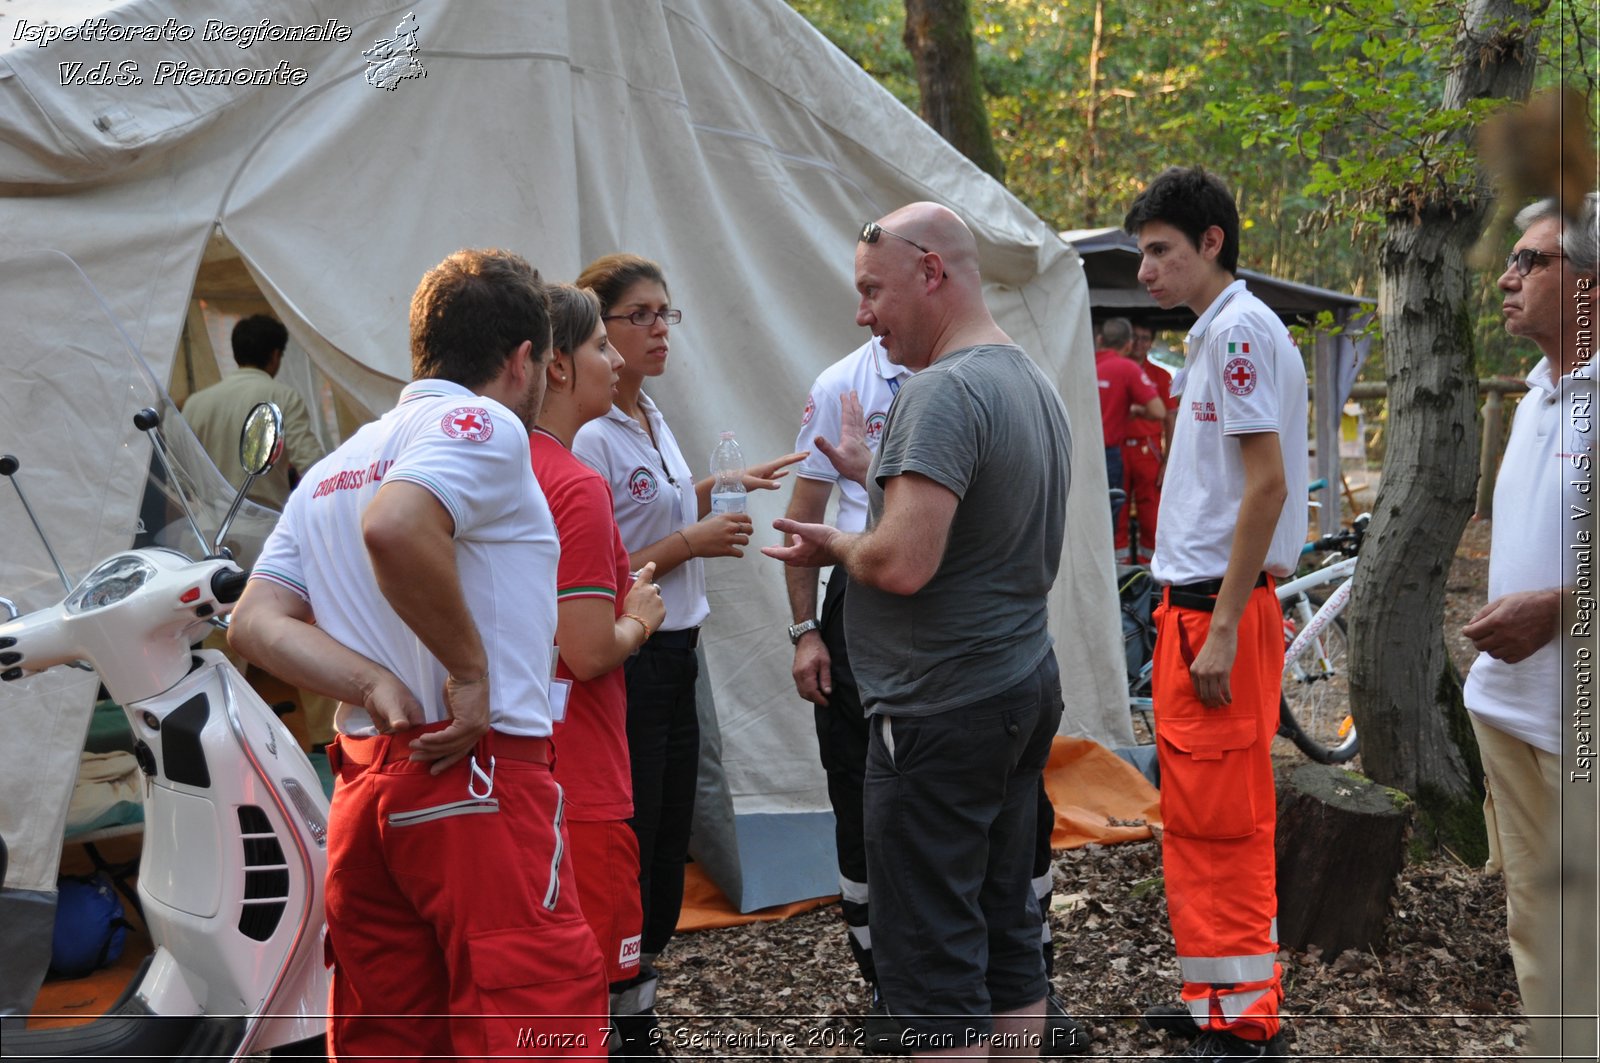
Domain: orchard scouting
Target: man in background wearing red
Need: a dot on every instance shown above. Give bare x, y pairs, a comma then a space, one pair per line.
1124, 390
1144, 454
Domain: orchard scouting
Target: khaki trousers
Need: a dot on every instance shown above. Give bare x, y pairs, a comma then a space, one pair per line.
1522, 810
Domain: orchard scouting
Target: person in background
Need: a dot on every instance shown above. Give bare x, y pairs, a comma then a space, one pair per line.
1144, 454
603, 616
1514, 690
416, 583
1237, 473
1124, 390
666, 520
215, 413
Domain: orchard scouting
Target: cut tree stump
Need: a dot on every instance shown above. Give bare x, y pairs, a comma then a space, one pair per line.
1340, 845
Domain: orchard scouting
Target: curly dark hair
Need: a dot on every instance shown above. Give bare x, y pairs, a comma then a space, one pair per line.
1190, 200
256, 339
471, 311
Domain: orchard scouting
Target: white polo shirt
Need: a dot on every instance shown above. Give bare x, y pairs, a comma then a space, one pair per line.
868, 372
652, 494
471, 453
1242, 375
1546, 485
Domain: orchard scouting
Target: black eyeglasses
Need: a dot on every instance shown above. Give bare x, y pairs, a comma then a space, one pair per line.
644, 318
872, 231
1526, 260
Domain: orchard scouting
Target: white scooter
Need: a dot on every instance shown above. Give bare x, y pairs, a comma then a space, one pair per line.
235, 832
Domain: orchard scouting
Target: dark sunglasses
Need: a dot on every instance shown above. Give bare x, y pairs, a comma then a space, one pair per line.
872, 232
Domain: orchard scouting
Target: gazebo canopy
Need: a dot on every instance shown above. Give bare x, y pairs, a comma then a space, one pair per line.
1111, 266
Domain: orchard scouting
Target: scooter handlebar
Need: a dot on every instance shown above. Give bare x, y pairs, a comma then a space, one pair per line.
227, 584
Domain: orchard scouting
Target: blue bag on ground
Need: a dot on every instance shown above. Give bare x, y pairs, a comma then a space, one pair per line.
90, 929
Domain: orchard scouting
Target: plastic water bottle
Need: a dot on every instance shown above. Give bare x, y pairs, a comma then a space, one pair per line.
727, 471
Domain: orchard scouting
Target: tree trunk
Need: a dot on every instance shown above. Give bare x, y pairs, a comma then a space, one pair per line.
1404, 692
939, 37
1340, 847
1091, 118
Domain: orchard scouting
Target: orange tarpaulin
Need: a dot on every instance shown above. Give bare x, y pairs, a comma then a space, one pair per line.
1098, 796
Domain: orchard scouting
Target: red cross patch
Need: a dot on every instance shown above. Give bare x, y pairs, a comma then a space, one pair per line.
1239, 376
471, 423
811, 411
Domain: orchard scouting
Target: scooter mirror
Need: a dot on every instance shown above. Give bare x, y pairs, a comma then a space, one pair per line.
260, 446
261, 439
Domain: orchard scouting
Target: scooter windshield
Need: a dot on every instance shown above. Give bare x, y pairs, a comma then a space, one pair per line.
70, 385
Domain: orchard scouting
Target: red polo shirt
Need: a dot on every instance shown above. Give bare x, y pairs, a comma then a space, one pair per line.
1122, 384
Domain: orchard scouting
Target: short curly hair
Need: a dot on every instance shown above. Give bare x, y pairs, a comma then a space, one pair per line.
471, 311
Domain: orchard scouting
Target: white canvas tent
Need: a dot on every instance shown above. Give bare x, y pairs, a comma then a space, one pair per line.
724, 138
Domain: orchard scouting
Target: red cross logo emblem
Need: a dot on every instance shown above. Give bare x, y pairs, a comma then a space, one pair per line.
1240, 376
471, 423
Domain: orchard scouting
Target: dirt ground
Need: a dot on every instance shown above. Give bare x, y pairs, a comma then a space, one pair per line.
1440, 986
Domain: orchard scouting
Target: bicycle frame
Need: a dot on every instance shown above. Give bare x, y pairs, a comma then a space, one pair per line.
1326, 574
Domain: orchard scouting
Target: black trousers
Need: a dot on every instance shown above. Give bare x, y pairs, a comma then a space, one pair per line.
842, 730
842, 743
664, 747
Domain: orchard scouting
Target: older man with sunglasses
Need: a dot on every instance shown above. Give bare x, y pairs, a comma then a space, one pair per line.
1514, 691
946, 627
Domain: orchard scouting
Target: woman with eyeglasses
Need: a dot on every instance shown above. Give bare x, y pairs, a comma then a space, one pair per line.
666, 519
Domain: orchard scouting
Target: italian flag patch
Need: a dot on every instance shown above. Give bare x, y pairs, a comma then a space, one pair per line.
1238, 348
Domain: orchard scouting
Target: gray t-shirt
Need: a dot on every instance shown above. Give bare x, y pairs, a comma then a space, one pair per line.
985, 423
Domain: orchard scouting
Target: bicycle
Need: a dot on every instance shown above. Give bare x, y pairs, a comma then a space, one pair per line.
1313, 707
1313, 710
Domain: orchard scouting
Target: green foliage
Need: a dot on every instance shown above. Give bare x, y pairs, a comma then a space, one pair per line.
1077, 154
1324, 116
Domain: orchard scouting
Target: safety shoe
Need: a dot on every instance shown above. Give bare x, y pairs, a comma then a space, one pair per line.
880, 1031
1173, 1018
1218, 1046
1063, 1035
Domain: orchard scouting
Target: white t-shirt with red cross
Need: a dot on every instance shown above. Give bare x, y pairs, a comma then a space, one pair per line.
1242, 375
470, 453
868, 372
652, 495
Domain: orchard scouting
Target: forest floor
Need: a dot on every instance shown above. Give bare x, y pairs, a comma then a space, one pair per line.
1439, 986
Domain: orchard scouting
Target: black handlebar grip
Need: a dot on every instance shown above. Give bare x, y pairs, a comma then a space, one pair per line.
227, 585
9, 464
146, 419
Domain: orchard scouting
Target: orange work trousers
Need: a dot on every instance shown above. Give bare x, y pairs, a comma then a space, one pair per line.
1219, 810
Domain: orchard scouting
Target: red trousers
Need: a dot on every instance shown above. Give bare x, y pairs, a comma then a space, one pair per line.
453, 922
1220, 813
1141, 464
605, 861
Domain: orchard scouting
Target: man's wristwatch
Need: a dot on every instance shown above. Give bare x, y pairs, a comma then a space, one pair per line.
796, 630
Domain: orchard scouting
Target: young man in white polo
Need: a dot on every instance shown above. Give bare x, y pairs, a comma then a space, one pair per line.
1235, 518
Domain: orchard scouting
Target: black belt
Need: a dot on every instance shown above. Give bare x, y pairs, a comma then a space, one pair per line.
682, 639
1201, 595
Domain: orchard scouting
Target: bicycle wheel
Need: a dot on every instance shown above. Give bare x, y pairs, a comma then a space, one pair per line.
1314, 705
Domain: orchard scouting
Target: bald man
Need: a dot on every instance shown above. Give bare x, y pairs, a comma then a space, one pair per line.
946, 627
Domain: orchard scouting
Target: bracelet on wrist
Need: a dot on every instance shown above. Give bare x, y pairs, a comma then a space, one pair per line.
686, 542
642, 623
452, 680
